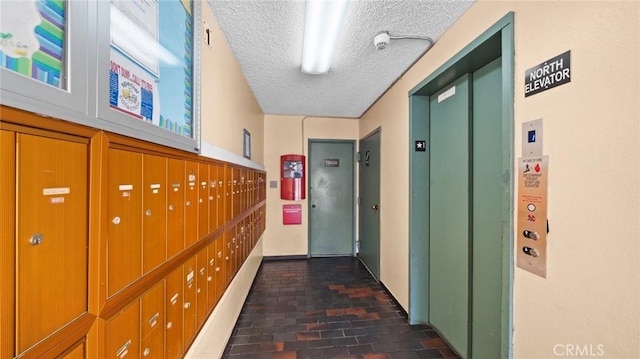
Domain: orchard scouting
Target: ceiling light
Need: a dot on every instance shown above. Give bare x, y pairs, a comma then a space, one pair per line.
322, 26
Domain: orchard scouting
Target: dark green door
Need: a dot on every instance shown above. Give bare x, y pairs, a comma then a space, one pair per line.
331, 198
449, 212
466, 211
369, 209
487, 212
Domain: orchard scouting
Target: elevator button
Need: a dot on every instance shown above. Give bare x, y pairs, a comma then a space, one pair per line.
531, 251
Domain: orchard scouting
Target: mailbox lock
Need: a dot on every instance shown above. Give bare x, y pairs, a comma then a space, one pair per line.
116, 220
147, 351
171, 207
148, 213
36, 239
187, 305
209, 278
188, 203
169, 325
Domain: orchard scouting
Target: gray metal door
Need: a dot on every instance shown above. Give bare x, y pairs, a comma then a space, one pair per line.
369, 211
331, 198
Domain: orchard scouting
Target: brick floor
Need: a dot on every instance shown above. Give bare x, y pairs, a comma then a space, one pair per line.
326, 308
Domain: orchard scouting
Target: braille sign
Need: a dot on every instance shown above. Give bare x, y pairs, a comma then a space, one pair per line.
549, 74
421, 146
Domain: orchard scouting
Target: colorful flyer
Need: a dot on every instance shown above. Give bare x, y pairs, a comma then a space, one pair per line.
132, 90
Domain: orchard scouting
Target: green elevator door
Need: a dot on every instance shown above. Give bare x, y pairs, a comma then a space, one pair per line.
487, 305
449, 213
331, 198
466, 211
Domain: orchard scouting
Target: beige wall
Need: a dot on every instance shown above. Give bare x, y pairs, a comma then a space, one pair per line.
227, 103
591, 295
285, 135
227, 107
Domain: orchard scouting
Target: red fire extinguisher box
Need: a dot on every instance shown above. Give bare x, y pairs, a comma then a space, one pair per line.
292, 177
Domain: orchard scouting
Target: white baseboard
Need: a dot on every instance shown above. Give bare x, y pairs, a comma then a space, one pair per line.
216, 331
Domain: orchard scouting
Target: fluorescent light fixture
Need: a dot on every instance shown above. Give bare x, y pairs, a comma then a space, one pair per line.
322, 26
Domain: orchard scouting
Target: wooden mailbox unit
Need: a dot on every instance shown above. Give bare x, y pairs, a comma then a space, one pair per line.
114, 246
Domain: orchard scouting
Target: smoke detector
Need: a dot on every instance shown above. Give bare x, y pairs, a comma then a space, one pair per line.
381, 40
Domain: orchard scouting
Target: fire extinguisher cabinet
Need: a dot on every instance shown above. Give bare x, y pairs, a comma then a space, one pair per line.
292, 177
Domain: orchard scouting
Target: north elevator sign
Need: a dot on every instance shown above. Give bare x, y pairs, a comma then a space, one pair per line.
549, 74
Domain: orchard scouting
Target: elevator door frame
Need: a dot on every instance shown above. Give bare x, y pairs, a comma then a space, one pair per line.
497, 41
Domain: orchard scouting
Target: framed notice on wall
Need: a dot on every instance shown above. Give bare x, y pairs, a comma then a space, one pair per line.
246, 144
151, 64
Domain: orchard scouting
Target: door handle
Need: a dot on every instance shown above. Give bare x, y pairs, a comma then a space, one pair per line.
374, 207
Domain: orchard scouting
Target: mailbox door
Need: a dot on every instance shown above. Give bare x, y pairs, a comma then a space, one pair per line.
203, 201
175, 206
228, 188
124, 202
152, 307
221, 280
212, 261
221, 196
52, 226
7, 246
122, 333
152, 322
174, 307
154, 206
213, 197
189, 313
76, 351
230, 253
201, 287
191, 204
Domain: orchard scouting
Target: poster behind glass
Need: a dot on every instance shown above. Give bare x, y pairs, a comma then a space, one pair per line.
32, 39
151, 57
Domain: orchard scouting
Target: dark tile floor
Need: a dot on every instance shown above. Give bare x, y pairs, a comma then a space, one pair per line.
326, 308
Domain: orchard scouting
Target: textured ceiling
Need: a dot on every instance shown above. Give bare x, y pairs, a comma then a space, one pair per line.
266, 38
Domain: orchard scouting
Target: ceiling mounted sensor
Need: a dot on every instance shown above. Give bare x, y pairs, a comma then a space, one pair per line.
381, 40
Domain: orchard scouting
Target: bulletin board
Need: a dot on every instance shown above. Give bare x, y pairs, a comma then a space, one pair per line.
32, 40
125, 66
151, 62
